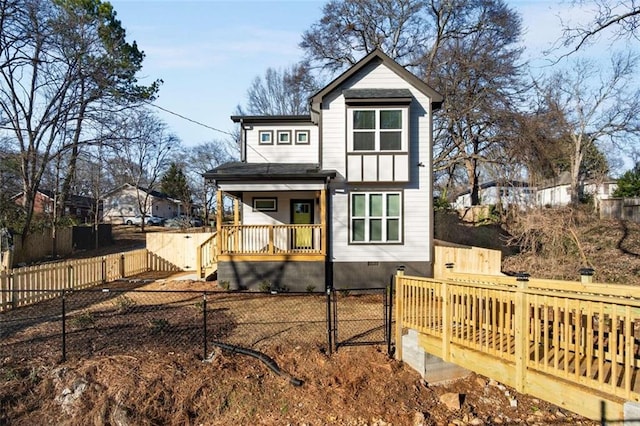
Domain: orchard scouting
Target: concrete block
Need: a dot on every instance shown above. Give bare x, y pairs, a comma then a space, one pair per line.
432, 368
631, 413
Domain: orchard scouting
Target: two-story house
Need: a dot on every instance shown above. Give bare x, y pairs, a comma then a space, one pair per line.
340, 197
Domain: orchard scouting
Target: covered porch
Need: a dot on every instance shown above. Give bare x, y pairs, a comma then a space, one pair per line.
275, 226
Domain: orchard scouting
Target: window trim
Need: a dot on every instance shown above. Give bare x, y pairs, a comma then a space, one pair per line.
265, 132
303, 132
281, 133
404, 129
256, 200
367, 218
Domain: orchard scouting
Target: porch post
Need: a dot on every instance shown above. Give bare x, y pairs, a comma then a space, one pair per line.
219, 219
236, 212
323, 221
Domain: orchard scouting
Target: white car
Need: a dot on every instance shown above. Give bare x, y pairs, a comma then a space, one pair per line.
133, 220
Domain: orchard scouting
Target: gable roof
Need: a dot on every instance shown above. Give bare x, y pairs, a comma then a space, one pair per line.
73, 200
152, 192
378, 56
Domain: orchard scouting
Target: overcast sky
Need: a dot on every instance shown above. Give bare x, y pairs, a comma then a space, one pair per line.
208, 52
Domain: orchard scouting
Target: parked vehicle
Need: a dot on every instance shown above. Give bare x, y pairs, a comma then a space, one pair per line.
154, 220
133, 220
183, 222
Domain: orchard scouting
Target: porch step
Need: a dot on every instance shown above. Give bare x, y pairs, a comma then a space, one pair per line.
209, 270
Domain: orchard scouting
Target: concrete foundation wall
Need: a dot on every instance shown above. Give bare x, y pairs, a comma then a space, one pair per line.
374, 274
431, 368
292, 276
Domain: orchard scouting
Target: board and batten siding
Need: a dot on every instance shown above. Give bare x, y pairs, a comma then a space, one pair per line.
282, 153
417, 193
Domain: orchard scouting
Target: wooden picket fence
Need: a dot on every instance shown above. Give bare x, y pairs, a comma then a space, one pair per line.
31, 284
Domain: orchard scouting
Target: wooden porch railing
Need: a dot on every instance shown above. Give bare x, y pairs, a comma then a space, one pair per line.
540, 336
271, 239
208, 256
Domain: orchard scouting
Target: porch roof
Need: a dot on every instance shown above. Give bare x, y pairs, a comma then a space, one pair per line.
238, 171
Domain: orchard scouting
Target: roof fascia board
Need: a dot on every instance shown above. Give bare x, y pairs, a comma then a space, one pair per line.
377, 54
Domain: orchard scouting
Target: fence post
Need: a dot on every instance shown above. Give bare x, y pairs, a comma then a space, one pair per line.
122, 271
104, 270
204, 325
12, 287
64, 326
586, 275
329, 321
70, 276
447, 324
521, 332
399, 313
389, 315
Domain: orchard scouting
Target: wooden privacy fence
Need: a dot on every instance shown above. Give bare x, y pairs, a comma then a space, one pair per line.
31, 284
573, 344
467, 259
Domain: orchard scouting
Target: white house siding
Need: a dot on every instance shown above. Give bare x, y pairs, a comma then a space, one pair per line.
278, 153
282, 215
417, 199
124, 204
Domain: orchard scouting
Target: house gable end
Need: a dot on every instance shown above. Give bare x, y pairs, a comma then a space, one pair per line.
376, 57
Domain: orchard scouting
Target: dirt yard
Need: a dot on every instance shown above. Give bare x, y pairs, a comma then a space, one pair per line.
142, 378
148, 377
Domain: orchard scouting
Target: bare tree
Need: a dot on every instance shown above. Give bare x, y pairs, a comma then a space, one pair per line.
619, 19
479, 75
143, 154
598, 106
202, 158
56, 59
281, 92
350, 29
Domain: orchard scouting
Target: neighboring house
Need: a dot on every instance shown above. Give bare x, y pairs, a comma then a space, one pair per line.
123, 204
506, 194
340, 197
557, 192
78, 207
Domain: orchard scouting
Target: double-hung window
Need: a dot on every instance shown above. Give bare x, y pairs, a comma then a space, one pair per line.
376, 217
378, 129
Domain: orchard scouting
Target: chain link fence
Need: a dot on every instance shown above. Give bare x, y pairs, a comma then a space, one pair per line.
123, 320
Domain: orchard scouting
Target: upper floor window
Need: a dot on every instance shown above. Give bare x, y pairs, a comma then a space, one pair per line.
378, 129
266, 137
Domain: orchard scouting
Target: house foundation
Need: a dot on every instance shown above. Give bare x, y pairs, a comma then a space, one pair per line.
283, 275
431, 368
348, 275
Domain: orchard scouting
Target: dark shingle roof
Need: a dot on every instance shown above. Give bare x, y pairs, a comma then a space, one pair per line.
376, 93
244, 171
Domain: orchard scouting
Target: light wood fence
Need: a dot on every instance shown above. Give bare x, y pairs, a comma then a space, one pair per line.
473, 260
39, 245
31, 284
573, 344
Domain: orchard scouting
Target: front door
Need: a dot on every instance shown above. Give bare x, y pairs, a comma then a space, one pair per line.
302, 214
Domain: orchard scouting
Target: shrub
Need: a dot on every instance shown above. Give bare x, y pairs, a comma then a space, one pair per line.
124, 303
84, 320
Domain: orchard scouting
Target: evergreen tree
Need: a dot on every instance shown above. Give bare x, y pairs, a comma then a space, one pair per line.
629, 183
174, 184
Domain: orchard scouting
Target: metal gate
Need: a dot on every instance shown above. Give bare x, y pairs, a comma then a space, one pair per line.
360, 316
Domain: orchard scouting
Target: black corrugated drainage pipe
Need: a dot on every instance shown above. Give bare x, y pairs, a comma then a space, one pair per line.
269, 362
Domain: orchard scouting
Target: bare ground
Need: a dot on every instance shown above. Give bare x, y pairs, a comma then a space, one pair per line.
158, 384
144, 379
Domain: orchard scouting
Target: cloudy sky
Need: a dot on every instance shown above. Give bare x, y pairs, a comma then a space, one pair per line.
208, 52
